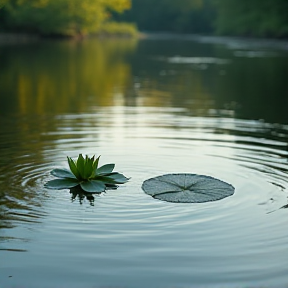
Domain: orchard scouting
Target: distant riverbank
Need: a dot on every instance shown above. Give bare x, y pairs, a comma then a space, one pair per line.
17, 37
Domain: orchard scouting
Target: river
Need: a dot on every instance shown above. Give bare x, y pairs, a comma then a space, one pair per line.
163, 104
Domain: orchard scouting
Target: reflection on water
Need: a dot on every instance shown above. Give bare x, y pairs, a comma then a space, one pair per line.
213, 111
56, 77
79, 194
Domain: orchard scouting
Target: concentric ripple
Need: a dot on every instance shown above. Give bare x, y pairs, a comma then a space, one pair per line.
125, 236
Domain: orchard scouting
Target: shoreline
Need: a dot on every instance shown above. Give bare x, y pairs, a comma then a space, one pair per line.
10, 37
20, 38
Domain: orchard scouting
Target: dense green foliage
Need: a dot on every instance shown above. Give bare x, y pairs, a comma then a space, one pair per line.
170, 15
263, 18
68, 17
252, 17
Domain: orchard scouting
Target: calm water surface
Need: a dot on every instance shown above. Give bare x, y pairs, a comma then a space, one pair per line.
210, 106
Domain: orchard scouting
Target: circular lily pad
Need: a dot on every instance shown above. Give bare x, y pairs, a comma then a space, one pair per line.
187, 188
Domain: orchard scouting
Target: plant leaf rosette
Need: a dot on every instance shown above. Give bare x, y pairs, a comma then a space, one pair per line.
85, 172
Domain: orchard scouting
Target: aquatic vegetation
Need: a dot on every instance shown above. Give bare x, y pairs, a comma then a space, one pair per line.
187, 188
85, 173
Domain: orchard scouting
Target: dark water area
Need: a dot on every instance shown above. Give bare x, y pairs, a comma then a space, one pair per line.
205, 105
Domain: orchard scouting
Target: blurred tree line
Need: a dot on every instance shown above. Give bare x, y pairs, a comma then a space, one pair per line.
182, 16
66, 17
262, 18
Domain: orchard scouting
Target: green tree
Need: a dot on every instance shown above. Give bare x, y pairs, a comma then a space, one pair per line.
194, 16
252, 17
60, 16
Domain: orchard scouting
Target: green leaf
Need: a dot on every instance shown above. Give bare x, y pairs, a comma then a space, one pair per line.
73, 168
93, 186
88, 167
118, 178
91, 161
95, 163
105, 169
94, 167
187, 188
105, 179
62, 183
81, 165
62, 173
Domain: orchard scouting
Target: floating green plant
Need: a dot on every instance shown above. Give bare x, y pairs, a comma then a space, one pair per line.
86, 173
187, 188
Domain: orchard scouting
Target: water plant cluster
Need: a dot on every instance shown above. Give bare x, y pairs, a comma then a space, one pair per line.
86, 177
86, 173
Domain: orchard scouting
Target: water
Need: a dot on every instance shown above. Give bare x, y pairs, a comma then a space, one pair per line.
209, 106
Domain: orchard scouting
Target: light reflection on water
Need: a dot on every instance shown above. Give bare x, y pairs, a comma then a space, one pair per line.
125, 238
135, 237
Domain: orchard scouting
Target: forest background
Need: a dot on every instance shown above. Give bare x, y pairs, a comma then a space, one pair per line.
253, 18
